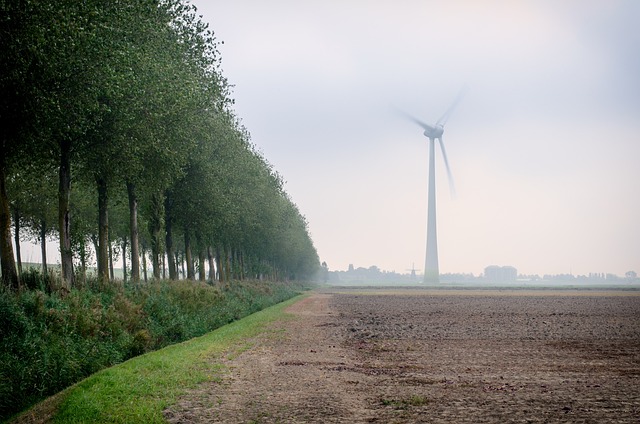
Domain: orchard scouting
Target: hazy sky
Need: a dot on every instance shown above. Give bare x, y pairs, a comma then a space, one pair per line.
544, 149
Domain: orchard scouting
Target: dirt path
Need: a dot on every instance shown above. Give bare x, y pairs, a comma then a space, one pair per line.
402, 358
295, 372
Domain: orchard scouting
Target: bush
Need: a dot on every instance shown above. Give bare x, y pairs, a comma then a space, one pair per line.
49, 341
33, 279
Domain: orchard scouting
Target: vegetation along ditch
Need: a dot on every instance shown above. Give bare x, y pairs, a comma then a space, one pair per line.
49, 341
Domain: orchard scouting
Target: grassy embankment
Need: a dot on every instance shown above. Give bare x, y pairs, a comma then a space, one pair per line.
49, 341
138, 390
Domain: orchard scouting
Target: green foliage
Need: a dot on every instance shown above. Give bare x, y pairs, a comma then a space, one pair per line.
139, 390
50, 341
33, 279
131, 93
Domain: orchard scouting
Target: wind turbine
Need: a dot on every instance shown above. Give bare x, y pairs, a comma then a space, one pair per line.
413, 271
433, 133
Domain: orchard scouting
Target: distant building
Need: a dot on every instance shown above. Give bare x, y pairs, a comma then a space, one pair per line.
500, 274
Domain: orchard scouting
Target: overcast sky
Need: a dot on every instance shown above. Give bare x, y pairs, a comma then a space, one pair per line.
544, 148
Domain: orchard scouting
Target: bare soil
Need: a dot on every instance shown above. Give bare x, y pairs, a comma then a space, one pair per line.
435, 357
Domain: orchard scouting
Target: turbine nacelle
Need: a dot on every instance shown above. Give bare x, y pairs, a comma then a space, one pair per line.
434, 132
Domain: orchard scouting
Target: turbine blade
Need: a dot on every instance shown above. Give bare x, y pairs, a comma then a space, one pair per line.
452, 187
444, 118
424, 125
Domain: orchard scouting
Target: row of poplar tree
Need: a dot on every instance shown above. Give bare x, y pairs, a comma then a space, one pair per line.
117, 131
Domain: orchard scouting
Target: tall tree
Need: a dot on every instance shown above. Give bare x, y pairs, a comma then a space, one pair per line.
130, 94
9, 272
16, 38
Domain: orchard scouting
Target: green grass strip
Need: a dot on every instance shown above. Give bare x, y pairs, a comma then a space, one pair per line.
137, 391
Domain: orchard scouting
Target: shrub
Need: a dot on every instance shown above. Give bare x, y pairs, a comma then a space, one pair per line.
49, 341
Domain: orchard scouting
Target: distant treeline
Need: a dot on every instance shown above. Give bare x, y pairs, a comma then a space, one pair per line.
118, 133
374, 275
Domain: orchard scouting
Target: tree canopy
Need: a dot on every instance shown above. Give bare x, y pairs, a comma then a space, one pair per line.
123, 104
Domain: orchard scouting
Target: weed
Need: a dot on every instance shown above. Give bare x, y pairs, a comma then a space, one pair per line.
401, 404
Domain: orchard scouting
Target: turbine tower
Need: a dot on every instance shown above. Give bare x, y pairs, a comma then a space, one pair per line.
433, 133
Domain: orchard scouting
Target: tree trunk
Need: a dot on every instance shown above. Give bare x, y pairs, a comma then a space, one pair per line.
171, 256
16, 238
227, 268
43, 246
237, 271
155, 261
144, 263
201, 267
133, 233
103, 230
64, 218
212, 271
155, 226
182, 264
241, 264
8, 265
191, 275
219, 265
202, 276
83, 262
124, 259
94, 240
164, 267
96, 245
168, 226
232, 264
111, 274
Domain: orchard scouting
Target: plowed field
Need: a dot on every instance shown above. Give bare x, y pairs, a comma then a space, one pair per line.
435, 357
